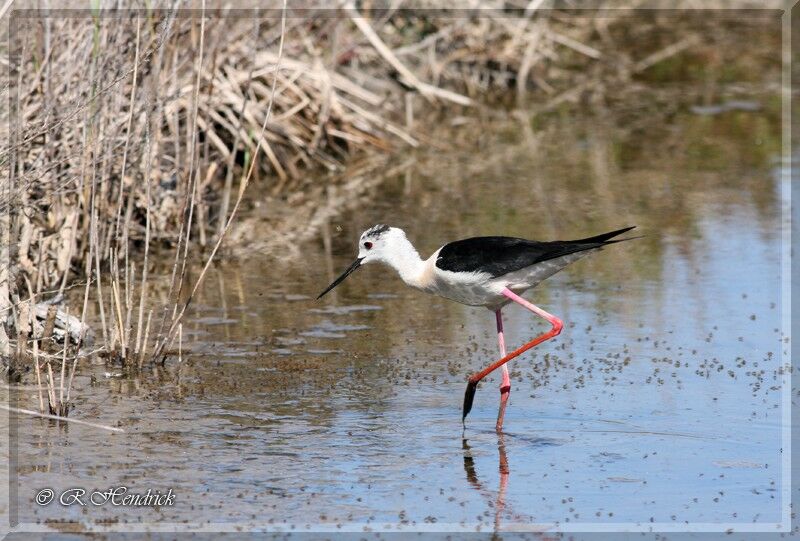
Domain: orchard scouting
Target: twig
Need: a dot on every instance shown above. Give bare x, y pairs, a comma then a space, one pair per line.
665, 53
574, 45
59, 418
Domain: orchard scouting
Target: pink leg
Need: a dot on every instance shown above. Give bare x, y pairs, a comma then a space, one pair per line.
505, 385
557, 324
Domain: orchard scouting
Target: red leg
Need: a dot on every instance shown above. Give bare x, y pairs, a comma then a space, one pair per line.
505, 385
557, 325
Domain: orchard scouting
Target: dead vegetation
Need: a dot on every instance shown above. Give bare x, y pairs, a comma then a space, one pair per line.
135, 131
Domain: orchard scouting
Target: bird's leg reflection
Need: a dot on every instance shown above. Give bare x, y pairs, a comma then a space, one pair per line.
472, 477
504, 471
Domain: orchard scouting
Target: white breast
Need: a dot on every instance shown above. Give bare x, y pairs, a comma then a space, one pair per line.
472, 288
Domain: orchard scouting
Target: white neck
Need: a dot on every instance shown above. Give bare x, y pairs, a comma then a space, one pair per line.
403, 258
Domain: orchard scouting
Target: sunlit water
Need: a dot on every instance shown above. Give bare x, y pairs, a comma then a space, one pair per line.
661, 401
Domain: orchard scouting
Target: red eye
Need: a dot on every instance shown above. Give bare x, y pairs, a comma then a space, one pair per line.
368, 245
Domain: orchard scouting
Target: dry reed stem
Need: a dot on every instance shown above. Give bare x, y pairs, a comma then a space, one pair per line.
59, 418
51, 388
131, 108
63, 368
38, 373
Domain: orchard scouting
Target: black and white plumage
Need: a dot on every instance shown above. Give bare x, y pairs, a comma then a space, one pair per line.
480, 271
501, 255
474, 271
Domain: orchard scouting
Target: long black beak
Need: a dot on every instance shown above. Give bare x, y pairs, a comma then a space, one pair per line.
345, 274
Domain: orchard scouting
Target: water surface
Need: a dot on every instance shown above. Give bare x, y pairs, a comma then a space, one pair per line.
659, 404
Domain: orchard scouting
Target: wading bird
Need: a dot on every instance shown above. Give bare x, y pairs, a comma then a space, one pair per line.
479, 271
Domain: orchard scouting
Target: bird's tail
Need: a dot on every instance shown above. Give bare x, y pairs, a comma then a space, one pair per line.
605, 238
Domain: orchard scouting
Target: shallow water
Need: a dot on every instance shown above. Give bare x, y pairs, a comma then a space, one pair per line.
659, 405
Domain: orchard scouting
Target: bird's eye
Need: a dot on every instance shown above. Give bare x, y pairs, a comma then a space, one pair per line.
368, 245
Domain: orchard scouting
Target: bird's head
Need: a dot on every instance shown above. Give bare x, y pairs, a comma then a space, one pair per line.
375, 244
378, 243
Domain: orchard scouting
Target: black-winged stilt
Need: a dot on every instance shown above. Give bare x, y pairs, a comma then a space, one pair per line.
479, 271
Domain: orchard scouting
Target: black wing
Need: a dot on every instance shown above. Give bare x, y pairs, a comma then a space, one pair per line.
501, 255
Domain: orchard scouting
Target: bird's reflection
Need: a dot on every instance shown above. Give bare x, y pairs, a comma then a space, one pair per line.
472, 477
469, 465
